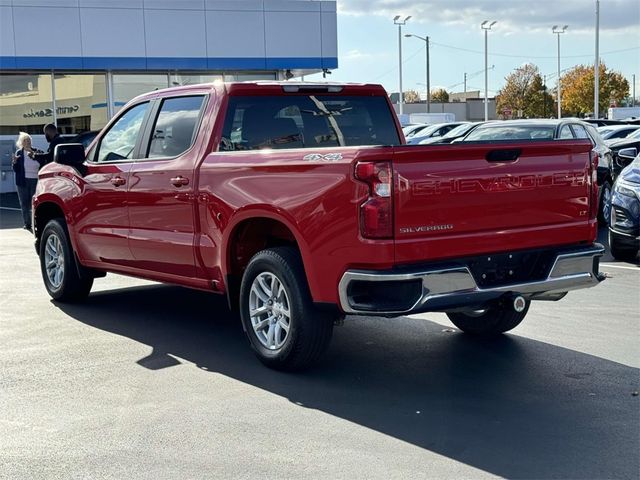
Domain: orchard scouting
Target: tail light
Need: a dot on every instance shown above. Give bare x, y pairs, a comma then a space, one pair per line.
376, 213
593, 200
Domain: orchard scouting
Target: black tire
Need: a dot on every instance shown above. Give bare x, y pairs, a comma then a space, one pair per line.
495, 320
309, 330
71, 287
605, 198
619, 252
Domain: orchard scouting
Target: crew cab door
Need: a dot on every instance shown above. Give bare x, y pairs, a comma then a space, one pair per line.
102, 224
161, 188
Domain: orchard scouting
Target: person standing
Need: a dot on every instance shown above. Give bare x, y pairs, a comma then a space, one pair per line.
26, 175
54, 139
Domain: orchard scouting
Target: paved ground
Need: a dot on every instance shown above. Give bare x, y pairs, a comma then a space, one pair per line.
147, 381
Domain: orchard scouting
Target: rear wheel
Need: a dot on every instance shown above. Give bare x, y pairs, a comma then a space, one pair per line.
284, 329
493, 320
58, 265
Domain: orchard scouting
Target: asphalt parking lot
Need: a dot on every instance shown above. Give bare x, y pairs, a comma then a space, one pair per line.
153, 381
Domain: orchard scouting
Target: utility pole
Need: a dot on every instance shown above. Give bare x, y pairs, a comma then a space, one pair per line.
557, 30
596, 71
544, 96
465, 83
396, 21
486, 29
427, 83
633, 89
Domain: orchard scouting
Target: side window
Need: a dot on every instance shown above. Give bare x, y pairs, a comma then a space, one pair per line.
119, 142
580, 132
175, 126
565, 133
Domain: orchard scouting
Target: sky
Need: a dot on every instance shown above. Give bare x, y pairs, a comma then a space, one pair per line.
368, 40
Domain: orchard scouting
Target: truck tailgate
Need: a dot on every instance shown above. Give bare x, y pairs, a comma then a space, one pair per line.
469, 199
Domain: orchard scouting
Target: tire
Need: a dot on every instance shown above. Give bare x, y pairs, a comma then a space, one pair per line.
309, 331
604, 204
620, 253
61, 279
495, 320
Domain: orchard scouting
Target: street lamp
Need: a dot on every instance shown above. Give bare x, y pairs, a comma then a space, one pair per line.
557, 30
486, 26
426, 40
400, 23
596, 67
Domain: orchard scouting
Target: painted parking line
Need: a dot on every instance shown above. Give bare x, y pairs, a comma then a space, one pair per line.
10, 208
613, 265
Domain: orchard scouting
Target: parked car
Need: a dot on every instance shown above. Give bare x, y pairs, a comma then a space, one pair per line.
85, 138
433, 131
619, 163
614, 132
603, 122
301, 204
551, 129
624, 227
452, 135
410, 130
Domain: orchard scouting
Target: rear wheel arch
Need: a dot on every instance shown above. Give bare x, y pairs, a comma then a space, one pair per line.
249, 236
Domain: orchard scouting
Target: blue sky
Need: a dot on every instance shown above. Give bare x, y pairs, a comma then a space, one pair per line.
368, 40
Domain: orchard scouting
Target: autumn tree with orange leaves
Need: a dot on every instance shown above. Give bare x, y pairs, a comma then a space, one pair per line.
578, 89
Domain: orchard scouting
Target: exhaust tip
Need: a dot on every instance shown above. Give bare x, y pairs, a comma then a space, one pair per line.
519, 303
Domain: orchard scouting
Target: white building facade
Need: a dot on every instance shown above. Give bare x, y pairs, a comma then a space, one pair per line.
76, 62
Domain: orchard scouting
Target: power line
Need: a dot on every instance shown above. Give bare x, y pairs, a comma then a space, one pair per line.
403, 62
532, 56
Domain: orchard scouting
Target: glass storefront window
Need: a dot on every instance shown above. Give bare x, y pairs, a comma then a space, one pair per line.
81, 102
178, 79
25, 103
128, 86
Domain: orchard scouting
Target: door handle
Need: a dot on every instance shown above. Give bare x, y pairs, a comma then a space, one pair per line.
179, 181
510, 155
118, 181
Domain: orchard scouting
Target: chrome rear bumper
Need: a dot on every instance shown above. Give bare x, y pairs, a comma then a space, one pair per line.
447, 288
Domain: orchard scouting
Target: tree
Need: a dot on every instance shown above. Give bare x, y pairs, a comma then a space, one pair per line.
440, 96
577, 89
524, 93
411, 96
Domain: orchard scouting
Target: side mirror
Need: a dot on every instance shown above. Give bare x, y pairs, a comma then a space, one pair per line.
628, 153
71, 154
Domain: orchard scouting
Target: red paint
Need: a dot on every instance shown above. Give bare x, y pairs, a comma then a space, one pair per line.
447, 202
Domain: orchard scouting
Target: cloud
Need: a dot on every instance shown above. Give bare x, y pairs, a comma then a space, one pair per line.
530, 15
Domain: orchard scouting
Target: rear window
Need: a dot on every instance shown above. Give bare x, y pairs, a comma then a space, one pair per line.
511, 133
307, 121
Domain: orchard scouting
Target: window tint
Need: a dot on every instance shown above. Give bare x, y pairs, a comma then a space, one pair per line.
580, 132
120, 140
175, 126
510, 133
307, 121
565, 133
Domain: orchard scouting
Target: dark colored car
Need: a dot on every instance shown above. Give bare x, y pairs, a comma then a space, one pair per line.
624, 227
551, 129
85, 138
603, 122
614, 132
632, 141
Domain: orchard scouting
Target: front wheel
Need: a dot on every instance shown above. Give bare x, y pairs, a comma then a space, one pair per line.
58, 265
284, 329
604, 210
493, 320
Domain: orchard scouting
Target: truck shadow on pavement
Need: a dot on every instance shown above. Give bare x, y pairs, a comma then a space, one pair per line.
514, 407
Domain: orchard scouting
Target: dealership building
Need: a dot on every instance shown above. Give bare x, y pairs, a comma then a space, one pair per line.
77, 62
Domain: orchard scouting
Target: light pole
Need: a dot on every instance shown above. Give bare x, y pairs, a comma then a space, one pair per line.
557, 30
400, 23
426, 41
486, 26
596, 70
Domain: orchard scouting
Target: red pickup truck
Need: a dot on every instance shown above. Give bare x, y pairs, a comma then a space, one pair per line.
301, 203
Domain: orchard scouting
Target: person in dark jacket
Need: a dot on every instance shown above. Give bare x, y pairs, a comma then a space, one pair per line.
54, 139
26, 176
